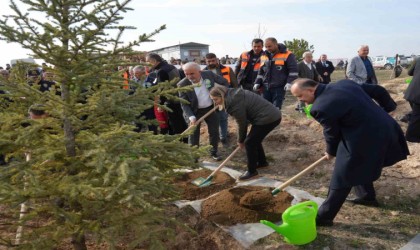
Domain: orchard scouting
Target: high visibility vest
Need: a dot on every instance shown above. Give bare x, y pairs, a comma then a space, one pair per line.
126, 77
244, 61
278, 59
226, 73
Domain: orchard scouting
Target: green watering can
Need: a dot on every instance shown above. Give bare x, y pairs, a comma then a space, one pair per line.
299, 225
408, 80
307, 110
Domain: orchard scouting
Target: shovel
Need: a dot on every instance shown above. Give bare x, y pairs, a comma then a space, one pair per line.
261, 197
204, 182
200, 120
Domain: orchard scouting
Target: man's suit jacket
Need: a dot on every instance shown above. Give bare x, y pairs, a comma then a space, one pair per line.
209, 79
356, 71
305, 72
359, 132
328, 68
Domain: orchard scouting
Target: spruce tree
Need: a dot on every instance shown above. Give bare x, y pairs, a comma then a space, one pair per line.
89, 175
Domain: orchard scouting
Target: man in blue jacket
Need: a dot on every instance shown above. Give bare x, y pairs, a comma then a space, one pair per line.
359, 133
278, 70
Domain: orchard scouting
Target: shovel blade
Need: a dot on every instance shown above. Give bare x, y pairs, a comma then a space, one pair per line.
198, 181
202, 182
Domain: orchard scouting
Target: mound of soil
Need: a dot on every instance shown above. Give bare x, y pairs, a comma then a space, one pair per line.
192, 192
224, 208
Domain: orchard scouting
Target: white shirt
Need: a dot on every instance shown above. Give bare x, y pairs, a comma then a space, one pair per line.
203, 97
308, 64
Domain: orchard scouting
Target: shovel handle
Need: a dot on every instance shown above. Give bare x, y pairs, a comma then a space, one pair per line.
200, 120
300, 174
224, 162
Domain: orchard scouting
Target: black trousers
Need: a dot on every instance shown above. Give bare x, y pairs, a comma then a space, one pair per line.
212, 122
336, 198
253, 144
413, 130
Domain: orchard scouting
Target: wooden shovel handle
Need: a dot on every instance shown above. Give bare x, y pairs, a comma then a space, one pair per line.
300, 174
200, 120
224, 162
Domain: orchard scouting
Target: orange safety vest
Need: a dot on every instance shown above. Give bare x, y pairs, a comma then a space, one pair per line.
126, 77
279, 59
226, 73
244, 61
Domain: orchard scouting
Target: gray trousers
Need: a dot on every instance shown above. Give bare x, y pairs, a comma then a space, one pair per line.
212, 122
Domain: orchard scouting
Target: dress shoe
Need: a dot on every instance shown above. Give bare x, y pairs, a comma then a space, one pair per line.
360, 201
324, 223
216, 157
248, 175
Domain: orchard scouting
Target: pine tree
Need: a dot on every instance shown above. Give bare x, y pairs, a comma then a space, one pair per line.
298, 47
89, 174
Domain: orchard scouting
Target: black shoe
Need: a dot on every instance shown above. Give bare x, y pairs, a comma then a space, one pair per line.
360, 201
324, 223
216, 157
248, 175
224, 141
262, 165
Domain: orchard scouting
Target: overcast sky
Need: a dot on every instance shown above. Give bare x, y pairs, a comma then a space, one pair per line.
336, 28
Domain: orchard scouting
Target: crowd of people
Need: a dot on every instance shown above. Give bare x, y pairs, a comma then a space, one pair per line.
354, 112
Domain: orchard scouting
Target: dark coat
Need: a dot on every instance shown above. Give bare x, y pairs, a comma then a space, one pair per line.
244, 106
329, 68
361, 134
412, 94
209, 78
305, 72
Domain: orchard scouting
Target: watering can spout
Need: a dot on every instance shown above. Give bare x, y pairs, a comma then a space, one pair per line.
279, 229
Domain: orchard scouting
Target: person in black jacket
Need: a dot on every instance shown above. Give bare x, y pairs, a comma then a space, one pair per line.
248, 65
412, 95
325, 68
166, 72
362, 136
278, 70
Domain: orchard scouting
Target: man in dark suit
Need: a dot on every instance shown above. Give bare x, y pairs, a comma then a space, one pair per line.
325, 69
200, 103
361, 134
306, 69
166, 72
412, 95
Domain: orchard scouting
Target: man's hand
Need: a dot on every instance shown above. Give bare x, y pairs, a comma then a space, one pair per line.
320, 78
329, 157
256, 87
288, 86
241, 145
325, 73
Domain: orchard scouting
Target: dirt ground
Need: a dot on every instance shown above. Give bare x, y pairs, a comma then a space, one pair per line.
298, 142
291, 147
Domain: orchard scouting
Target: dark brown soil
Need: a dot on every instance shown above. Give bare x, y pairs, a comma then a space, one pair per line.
192, 192
225, 209
203, 234
256, 198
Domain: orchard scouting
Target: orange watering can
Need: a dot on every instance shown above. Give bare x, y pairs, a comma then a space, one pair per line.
299, 225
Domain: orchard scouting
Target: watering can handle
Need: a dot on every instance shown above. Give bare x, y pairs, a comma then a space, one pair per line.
300, 174
200, 120
299, 205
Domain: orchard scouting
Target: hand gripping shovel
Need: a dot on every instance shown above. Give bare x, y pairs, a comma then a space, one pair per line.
204, 182
261, 197
200, 120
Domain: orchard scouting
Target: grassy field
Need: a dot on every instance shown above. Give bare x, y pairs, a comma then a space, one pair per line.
382, 75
